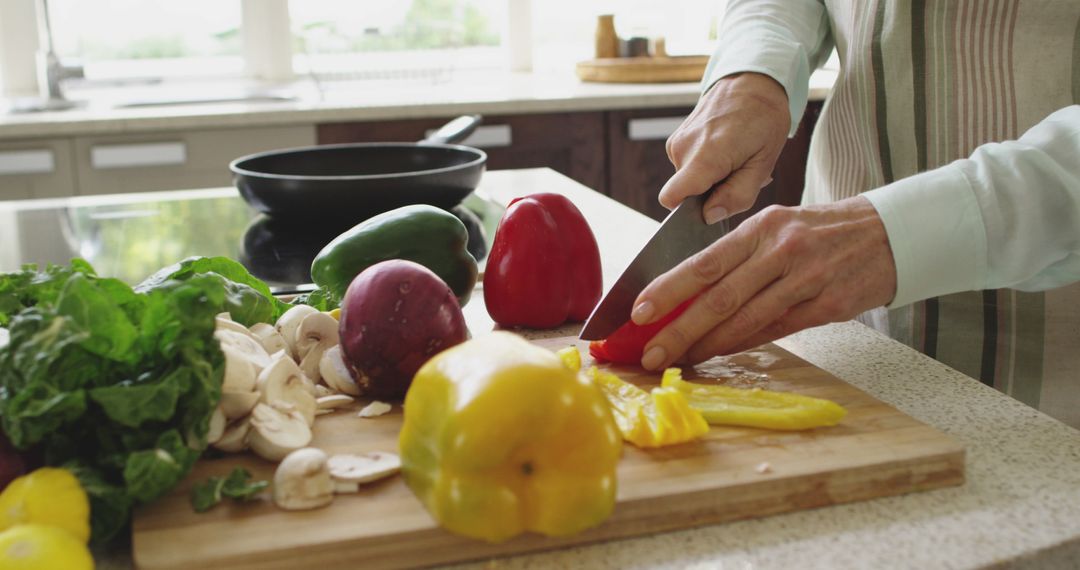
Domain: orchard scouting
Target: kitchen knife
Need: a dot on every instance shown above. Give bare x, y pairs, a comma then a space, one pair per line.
682, 234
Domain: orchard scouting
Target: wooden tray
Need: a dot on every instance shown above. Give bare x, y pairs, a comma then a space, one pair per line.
677, 69
733, 473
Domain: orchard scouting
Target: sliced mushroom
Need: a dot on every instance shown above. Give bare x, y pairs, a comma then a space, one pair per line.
312, 361
303, 481
276, 433
217, 426
235, 438
333, 402
288, 322
316, 328
322, 390
223, 321
283, 381
334, 372
352, 468
238, 404
240, 372
269, 337
246, 346
374, 409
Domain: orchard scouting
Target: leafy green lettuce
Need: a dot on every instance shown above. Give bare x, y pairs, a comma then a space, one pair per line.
118, 384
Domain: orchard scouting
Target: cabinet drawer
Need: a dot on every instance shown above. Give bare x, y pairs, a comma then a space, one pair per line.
174, 161
36, 169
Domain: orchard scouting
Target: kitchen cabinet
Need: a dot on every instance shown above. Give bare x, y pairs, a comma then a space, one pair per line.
174, 160
36, 169
639, 166
570, 143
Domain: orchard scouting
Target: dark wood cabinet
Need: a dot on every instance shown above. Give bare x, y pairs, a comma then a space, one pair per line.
618, 153
571, 143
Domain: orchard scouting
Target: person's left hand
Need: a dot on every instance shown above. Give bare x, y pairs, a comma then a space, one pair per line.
781, 271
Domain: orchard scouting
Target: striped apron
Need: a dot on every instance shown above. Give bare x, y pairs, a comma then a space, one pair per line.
923, 83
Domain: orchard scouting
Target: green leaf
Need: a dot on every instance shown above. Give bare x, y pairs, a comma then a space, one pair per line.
98, 309
243, 307
320, 299
236, 486
151, 473
133, 405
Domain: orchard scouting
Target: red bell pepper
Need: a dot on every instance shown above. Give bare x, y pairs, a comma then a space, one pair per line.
544, 265
626, 344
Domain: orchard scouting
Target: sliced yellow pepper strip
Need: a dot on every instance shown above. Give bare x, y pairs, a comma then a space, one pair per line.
754, 407
646, 419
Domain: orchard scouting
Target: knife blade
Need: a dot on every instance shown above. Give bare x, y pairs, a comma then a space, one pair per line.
682, 234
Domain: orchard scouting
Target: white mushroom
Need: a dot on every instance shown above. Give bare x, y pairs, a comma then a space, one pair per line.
303, 481
333, 402
217, 426
275, 433
322, 390
365, 468
238, 404
235, 438
269, 337
374, 409
223, 321
245, 346
312, 361
283, 381
240, 372
334, 372
288, 322
316, 328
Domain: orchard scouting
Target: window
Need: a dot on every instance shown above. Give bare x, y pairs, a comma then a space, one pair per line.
417, 39
148, 38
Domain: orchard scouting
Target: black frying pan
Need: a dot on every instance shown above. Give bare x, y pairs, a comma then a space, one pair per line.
362, 179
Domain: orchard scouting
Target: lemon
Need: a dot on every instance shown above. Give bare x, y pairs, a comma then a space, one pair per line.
42, 547
47, 496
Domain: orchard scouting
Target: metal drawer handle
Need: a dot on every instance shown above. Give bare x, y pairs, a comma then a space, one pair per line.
138, 155
653, 128
27, 162
487, 136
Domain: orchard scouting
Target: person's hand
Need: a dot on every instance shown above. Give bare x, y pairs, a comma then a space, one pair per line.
732, 138
783, 270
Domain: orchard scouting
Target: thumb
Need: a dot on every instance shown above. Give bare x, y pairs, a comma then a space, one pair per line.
738, 192
689, 181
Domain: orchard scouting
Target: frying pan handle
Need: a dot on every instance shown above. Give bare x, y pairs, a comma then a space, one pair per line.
456, 130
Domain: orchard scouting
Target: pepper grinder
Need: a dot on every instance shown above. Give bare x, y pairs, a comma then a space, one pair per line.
607, 40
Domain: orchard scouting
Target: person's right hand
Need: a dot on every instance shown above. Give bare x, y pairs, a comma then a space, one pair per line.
732, 138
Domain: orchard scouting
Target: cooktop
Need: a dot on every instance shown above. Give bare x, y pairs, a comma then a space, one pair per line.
132, 236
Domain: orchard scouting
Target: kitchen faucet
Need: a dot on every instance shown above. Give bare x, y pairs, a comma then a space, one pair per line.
51, 71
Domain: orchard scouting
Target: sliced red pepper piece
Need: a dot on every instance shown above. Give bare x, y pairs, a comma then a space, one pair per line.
626, 344
544, 265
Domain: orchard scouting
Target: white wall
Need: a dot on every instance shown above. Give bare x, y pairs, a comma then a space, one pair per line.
18, 44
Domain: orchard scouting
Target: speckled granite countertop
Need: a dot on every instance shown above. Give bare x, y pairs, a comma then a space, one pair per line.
1019, 508
493, 95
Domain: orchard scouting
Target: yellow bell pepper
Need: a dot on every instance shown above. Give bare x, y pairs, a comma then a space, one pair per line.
500, 437
49, 496
754, 407
650, 419
646, 419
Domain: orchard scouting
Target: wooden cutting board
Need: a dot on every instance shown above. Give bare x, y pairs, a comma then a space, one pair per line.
733, 473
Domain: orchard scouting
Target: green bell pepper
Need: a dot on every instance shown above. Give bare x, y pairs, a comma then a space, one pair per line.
424, 234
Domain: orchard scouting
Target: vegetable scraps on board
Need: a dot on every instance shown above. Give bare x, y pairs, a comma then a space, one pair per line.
118, 384
544, 265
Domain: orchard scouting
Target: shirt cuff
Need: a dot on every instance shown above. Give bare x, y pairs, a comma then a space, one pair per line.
769, 54
936, 233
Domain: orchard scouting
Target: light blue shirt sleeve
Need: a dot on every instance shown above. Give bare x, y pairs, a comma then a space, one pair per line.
1008, 216
784, 39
